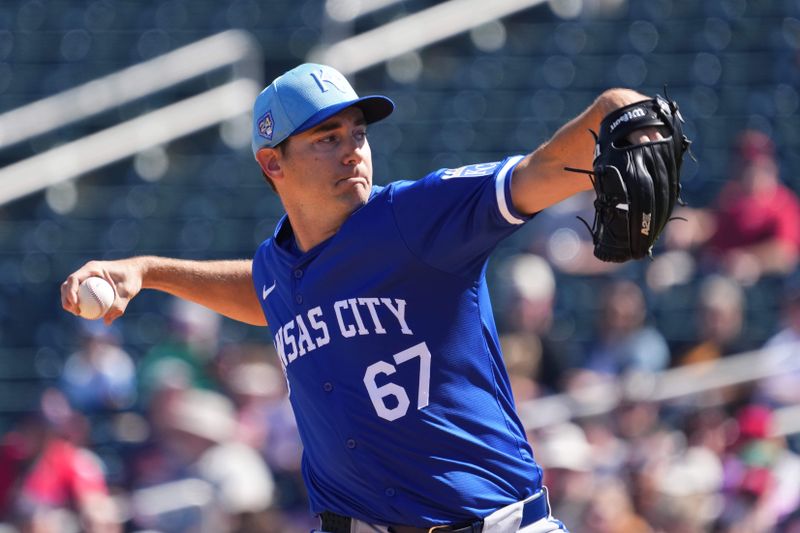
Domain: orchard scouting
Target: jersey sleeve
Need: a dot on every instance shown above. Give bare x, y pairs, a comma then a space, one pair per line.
452, 219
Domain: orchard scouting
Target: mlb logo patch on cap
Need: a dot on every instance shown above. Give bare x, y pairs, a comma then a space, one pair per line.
265, 125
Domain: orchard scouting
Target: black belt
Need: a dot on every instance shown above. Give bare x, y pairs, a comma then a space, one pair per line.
532, 510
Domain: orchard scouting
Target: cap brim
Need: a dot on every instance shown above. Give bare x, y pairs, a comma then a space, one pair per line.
375, 108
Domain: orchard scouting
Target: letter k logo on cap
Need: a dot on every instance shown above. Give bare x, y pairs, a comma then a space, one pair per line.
326, 76
304, 97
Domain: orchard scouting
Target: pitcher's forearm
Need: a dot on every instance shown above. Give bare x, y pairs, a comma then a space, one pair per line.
225, 286
540, 179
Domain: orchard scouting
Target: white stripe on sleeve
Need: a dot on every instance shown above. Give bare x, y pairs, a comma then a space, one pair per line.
500, 191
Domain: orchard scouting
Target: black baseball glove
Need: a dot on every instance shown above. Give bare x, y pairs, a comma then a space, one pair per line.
637, 185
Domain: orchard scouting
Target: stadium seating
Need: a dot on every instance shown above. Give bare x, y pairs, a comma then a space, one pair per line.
466, 106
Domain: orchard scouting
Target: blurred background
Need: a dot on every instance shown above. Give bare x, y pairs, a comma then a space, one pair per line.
660, 395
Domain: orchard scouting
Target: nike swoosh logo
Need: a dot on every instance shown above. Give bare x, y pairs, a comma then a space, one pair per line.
265, 291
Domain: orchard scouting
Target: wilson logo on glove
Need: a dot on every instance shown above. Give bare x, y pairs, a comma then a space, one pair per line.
630, 115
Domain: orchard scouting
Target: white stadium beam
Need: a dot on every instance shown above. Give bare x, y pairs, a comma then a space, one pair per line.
413, 32
126, 139
117, 89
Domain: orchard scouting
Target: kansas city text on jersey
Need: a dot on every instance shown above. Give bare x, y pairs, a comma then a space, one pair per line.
350, 318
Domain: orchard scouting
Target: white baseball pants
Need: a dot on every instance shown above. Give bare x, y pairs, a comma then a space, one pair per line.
505, 520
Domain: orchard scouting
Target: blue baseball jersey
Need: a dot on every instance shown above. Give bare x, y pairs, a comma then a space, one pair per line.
386, 335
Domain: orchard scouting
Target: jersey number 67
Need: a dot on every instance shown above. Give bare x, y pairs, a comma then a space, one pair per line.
379, 394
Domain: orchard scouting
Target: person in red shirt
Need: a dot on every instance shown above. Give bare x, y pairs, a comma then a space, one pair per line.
757, 218
47, 481
753, 228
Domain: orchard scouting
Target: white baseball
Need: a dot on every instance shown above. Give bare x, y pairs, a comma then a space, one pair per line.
95, 296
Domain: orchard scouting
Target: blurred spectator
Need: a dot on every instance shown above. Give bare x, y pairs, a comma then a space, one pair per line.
711, 428
611, 511
568, 469
623, 342
254, 386
650, 443
791, 524
686, 486
200, 437
609, 452
721, 319
636, 422
781, 355
690, 481
192, 343
265, 419
535, 354
761, 474
48, 484
756, 219
559, 236
100, 375
790, 334
522, 355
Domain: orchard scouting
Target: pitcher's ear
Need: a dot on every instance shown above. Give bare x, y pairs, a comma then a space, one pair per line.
270, 162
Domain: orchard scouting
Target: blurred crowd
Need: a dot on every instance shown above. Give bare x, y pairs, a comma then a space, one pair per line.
200, 438
199, 435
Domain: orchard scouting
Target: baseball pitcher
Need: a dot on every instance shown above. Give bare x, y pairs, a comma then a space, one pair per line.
377, 304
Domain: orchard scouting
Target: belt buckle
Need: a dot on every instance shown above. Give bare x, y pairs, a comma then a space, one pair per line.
435, 528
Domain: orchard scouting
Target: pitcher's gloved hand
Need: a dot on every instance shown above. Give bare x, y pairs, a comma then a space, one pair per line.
637, 184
